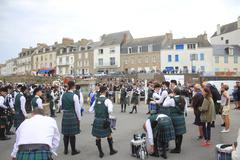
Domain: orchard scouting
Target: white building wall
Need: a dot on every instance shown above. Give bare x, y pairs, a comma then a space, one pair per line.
232, 37
64, 67
185, 60
106, 56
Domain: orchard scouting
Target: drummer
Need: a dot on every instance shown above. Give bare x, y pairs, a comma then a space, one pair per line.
160, 131
155, 98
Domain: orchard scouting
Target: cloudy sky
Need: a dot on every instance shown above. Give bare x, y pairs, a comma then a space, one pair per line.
23, 23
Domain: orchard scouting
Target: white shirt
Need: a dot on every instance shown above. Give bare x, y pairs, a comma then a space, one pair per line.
2, 105
149, 129
23, 102
163, 96
9, 97
76, 105
107, 103
169, 102
37, 130
39, 102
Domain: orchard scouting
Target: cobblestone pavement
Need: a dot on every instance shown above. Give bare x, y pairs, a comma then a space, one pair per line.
127, 125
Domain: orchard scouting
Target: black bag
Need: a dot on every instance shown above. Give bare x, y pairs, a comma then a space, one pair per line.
106, 124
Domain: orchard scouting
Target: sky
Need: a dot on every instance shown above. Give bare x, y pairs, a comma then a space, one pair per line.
24, 23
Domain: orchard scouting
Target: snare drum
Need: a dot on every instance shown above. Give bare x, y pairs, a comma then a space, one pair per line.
223, 153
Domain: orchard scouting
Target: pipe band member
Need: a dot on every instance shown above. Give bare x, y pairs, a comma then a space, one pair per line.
37, 101
135, 98
71, 118
102, 107
3, 114
36, 138
20, 110
176, 104
160, 131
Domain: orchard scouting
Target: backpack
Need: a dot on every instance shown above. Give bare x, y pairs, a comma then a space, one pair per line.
215, 94
180, 103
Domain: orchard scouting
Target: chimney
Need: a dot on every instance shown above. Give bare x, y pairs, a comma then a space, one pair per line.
218, 29
67, 41
238, 23
169, 36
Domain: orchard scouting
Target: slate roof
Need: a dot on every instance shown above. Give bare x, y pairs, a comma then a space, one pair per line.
220, 50
227, 28
114, 38
146, 41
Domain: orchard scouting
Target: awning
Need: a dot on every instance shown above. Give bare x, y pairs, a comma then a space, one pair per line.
45, 70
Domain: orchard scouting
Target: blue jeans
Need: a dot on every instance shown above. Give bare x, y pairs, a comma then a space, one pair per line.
207, 131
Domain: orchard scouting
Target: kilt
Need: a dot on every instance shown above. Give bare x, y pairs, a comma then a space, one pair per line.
70, 123
135, 100
164, 110
18, 119
34, 155
3, 120
164, 130
178, 121
98, 130
123, 100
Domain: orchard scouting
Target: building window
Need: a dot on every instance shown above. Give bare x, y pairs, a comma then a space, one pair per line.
86, 55
193, 57
235, 59
150, 48
112, 61
201, 56
71, 59
226, 41
225, 59
50, 56
80, 56
193, 69
222, 38
60, 60
191, 46
146, 60
139, 49
41, 58
176, 58
100, 61
179, 46
67, 60
169, 58
216, 59
202, 68
112, 50
130, 50
100, 51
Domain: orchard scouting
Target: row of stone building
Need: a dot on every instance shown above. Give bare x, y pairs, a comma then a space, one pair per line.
122, 52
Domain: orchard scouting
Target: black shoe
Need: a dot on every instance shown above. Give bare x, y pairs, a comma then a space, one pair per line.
213, 125
5, 138
66, 152
130, 112
154, 154
75, 152
175, 151
164, 156
112, 152
101, 155
223, 125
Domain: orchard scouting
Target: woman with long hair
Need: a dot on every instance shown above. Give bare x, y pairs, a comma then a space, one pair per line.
225, 102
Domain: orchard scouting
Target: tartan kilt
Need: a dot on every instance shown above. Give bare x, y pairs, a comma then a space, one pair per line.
178, 121
18, 119
135, 100
165, 130
98, 130
3, 120
70, 123
164, 110
34, 155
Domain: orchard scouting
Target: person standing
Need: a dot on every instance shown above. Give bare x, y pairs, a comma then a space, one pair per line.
238, 94
3, 114
37, 101
36, 138
102, 107
80, 97
20, 110
225, 102
10, 111
197, 101
71, 118
176, 104
150, 92
123, 98
135, 98
207, 110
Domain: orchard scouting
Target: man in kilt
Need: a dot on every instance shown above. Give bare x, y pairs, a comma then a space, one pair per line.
176, 105
123, 98
10, 111
101, 125
71, 118
3, 114
37, 101
160, 131
20, 111
36, 138
135, 98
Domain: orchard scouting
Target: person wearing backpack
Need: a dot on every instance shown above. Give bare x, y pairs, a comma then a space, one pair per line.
176, 104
